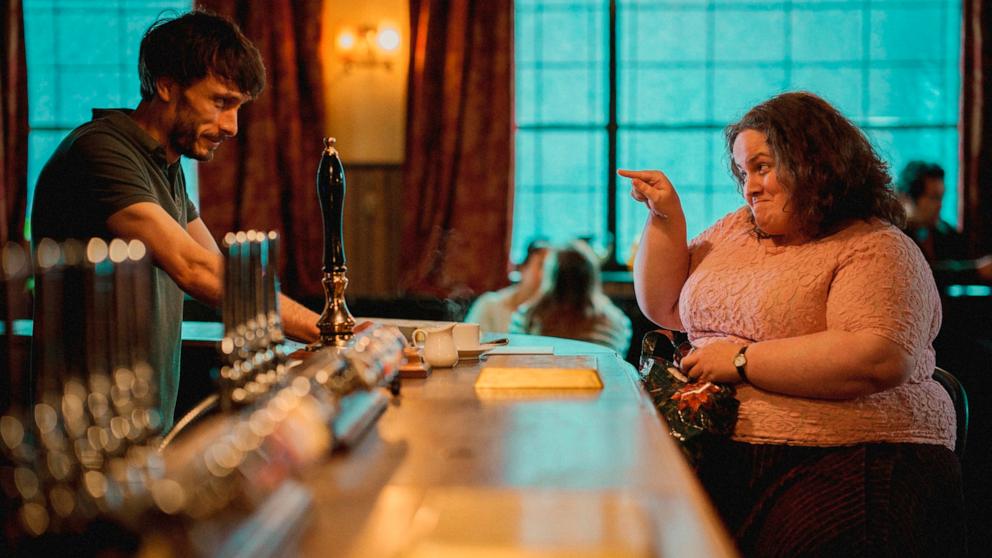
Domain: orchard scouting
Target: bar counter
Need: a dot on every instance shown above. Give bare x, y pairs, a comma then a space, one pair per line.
452, 471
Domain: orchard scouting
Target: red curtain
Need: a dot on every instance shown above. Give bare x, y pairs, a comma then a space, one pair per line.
13, 123
976, 125
265, 178
458, 173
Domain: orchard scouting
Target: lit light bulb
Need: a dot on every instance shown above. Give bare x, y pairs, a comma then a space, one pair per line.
388, 38
346, 40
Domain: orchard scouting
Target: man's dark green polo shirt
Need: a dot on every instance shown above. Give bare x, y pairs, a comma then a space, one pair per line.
101, 167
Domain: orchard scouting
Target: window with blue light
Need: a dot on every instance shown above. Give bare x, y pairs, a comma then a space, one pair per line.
679, 71
83, 54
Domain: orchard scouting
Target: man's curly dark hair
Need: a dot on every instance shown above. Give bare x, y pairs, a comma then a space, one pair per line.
824, 161
913, 178
191, 46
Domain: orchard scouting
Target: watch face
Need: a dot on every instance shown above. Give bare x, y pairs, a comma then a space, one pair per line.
740, 360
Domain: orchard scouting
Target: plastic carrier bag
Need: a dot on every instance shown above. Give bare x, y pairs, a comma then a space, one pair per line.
696, 413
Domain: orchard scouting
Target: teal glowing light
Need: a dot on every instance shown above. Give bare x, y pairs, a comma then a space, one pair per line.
956, 291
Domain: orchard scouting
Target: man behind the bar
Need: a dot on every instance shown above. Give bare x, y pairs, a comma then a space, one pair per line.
119, 174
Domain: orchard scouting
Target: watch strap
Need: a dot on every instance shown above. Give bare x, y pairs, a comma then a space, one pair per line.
740, 367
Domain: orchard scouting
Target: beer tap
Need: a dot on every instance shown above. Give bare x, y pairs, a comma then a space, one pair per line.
14, 270
49, 295
272, 286
251, 351
145, 418
80, 452
259, 319
229, 314
336, 323
273, 317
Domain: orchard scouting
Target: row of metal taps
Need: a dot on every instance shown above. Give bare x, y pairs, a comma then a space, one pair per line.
80, 442
252, 348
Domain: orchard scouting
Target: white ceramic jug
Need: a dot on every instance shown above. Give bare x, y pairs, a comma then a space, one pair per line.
439, 345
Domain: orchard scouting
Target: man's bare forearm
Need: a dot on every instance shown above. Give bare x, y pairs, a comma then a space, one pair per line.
298, 321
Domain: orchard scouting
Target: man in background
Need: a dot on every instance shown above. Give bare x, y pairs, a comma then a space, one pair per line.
119, 174
922, 187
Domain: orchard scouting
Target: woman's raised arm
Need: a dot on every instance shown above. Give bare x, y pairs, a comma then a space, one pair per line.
662, 262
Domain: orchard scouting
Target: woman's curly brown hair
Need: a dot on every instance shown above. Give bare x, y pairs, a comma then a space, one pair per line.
823, 160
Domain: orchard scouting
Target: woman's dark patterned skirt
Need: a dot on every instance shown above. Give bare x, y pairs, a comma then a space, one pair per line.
866, 500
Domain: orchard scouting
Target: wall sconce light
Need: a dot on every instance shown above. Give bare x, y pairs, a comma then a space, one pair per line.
368, 46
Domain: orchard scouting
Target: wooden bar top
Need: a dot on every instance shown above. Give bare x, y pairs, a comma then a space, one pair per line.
450, 470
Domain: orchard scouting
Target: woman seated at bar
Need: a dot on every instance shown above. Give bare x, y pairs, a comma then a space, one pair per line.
573, 305
492, 310
811, 301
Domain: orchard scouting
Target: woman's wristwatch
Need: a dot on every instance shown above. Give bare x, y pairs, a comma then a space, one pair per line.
740, 361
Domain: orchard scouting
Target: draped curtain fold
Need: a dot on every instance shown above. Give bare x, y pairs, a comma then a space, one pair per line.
976, 123
264, 178
13, 123
458, 172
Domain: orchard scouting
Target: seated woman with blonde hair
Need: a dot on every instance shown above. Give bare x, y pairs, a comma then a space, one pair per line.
573, 305
493, 310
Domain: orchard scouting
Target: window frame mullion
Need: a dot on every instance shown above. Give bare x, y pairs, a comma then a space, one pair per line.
611, 263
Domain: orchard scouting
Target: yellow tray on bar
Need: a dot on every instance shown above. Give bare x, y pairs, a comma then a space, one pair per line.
539, 372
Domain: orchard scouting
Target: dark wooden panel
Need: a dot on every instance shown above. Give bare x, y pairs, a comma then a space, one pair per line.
372, 226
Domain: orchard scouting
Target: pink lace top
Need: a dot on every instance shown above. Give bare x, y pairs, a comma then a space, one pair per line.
867, 277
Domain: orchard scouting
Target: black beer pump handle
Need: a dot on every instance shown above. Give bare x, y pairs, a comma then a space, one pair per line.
330, 193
